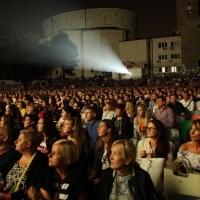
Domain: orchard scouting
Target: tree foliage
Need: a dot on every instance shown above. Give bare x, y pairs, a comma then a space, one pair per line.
59, 51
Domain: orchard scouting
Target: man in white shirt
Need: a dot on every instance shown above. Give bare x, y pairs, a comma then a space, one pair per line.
187, 103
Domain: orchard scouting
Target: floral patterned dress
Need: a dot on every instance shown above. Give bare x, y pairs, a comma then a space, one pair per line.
192, 157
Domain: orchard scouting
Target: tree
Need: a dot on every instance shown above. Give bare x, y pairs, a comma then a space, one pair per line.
59, 51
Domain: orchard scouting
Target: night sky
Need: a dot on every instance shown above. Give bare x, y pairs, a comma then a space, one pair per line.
156, 18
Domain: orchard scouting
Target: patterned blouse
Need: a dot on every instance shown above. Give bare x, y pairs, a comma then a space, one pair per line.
192, 157
120, 189
13, 177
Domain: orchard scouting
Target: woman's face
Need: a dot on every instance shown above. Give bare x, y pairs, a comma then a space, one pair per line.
20, 143
40, 125
152, 131
68, 127
107, 107
140, 111
27, 122
103, 130
195, 133
64, 114
56, 157
8, 111
127, 106
117, 160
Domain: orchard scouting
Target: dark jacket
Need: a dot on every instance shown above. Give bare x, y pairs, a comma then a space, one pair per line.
6, 159
38, 164
140, 185
126, 128
75, 182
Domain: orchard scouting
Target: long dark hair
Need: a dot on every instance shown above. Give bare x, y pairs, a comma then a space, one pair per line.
113, 136
163, 146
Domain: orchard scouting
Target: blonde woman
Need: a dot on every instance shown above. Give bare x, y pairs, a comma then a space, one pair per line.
129, 108
125, 179
140, 122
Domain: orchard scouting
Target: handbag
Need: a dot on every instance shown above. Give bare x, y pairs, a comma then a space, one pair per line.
181, 180
154, 166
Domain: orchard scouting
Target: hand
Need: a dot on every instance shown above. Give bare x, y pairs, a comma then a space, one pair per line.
33, 193
143, 154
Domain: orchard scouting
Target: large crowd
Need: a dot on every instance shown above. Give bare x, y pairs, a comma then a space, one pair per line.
80, 138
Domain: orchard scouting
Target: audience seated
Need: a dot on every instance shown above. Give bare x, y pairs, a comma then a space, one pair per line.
191, 149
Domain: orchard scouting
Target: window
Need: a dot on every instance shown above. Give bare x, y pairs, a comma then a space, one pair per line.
175, 44
198, 26
163, 69
56, 72
198, 62
162, 57
162, 45
173, 69
175, 56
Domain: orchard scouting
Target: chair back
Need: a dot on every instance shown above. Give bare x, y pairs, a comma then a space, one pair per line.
194, 117
178, 121
190, 113
185, 126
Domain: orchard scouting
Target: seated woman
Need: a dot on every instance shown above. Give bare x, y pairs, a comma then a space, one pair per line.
140, 122
49, 132
62, 179
191, 149
156, 144
107, 135
109, 111
125, 179
26, 167
74, 132
30, 121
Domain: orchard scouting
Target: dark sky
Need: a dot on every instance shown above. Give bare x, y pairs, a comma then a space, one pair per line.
156, 18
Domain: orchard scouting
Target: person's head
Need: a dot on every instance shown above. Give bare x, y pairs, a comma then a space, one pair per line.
46, 126
64, 153
28, 99
72, 125
90, 113
155, 130
14, 111
30, 121
154, 96
67, 111
120, 101
8, 100
52, 101
106, 129
28, 141
142, 110
129, 107
119, 110
173, 98
161, 101
8, 121
77, 105
6, 136
195, 131
22, 105
32, 109
186, 96
108, 106
123, 155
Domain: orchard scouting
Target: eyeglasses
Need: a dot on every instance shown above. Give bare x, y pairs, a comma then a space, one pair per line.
150, 128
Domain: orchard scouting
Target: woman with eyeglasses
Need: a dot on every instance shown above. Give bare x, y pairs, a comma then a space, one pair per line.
191, 149
156, 144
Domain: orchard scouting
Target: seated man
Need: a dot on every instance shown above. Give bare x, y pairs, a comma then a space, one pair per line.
164, 113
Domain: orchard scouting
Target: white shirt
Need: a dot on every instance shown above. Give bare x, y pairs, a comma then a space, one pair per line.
189, 105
